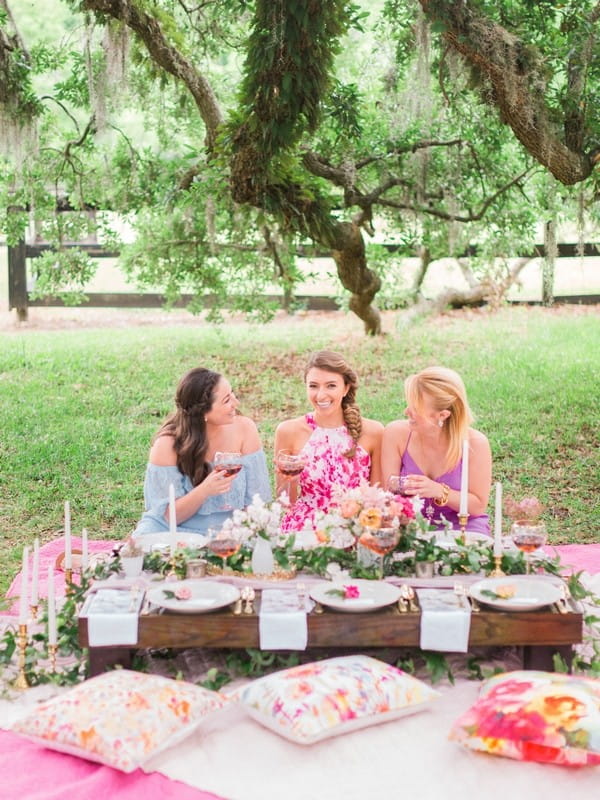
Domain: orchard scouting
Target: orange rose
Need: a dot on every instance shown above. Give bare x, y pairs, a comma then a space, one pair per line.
322, 535
370, 518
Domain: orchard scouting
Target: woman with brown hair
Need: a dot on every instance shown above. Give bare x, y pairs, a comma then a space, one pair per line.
427, 449
339, 446
204, 422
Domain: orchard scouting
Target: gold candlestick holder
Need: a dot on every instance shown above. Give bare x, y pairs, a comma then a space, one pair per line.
462, 521
52, 648
69, 578
21, 681
33, 611
497, 572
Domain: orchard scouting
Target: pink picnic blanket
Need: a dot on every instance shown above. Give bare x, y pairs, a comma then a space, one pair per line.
49, 552
31, 772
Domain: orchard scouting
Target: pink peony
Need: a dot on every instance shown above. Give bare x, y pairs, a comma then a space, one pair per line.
183, 593
349, 508
351, 592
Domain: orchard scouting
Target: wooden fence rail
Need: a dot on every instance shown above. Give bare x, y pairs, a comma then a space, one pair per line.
19, 299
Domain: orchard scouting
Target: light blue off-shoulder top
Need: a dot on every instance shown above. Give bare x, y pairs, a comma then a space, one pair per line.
252, 479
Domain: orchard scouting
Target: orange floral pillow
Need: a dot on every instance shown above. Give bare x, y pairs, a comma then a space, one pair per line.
535, 716
120, 718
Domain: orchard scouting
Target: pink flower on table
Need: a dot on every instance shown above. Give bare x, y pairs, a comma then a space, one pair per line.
351, 592
402, 507
349, 508
183, 593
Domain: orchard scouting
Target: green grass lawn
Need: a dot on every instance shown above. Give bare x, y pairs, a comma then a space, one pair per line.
79, 407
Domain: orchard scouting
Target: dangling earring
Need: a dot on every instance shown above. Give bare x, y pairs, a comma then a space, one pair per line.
441, 423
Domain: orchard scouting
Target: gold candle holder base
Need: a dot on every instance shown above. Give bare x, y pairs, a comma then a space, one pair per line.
52, 648
497, 572
33, 610
21, 681
69, 577
462, 521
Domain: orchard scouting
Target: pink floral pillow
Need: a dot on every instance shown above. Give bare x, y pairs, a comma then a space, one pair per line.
315, 701
535, 716
120, 718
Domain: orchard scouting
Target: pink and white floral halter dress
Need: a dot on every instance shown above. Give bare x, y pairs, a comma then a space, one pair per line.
327, 467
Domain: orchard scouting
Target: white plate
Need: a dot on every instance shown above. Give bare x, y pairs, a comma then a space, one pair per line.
151, 541
531, 591
372, 595
206, 596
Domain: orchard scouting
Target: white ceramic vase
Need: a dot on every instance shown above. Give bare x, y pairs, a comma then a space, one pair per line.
262, 557
132, 565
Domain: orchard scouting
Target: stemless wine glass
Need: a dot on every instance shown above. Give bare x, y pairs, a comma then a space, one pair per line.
528, 536
229, 463
290, 465
381, 541
224, 544
397, 484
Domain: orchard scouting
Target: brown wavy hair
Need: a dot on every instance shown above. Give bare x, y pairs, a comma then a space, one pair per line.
334, 362
194, 398
447, 391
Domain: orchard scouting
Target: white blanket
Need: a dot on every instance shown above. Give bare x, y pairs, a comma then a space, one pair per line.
408, 758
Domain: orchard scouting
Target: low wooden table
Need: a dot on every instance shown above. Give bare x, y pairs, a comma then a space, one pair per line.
540, 633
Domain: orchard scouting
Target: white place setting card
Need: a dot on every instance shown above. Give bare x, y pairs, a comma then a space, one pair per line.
282, 621
113, 616
445, 620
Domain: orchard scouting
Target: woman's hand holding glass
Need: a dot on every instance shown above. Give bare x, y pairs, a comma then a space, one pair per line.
226, 467
290, 465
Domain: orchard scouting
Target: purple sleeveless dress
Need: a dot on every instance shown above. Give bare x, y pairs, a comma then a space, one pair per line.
480, 524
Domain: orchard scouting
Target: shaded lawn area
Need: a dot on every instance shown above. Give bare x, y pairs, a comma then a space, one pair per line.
79, 406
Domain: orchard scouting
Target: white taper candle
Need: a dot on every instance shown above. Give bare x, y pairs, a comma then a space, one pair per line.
172, 519
35, 573
464, 481
23, 599
498, 521
68, 552
52, 636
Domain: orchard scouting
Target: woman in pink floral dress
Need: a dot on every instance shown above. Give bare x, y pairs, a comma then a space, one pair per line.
341, 448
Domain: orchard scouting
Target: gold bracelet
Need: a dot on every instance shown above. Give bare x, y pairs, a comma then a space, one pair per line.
443, 498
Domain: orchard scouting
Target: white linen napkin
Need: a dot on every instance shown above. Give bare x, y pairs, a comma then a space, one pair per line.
113, 617
445, 620
282, 621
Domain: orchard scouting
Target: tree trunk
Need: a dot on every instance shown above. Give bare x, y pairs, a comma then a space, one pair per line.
424, 262
549, 262
356, 277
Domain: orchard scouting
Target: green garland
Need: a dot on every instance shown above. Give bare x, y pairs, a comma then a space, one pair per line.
460, 560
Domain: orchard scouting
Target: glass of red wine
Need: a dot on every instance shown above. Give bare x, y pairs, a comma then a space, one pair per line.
230, 464
528, 536
397, 485
224, 545
290, 465
380, 541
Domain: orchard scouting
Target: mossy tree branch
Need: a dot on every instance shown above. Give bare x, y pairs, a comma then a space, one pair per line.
520, 86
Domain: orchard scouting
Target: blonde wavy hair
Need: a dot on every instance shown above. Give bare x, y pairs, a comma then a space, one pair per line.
446, 390
334, 362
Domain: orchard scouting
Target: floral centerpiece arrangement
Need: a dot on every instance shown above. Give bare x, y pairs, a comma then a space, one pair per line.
365, 507
527, 510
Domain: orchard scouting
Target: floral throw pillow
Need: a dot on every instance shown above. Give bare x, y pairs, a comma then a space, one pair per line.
120, 718
535, 716
325, 698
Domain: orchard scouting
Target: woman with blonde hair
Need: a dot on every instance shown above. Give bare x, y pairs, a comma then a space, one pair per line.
427, 449
341, 448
